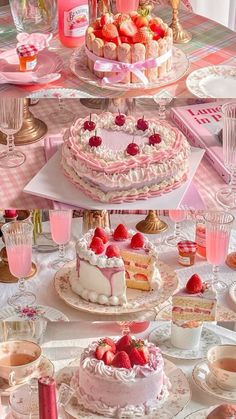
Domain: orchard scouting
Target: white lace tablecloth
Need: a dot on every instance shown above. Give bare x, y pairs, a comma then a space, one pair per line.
43, 285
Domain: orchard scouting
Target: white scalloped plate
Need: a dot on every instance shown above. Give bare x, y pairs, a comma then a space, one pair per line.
60, 93
200, 414
213, 82
49, 313
137, 300
79, 68
232, 292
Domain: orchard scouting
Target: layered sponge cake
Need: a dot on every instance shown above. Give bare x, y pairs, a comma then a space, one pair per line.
121, 378
110, 261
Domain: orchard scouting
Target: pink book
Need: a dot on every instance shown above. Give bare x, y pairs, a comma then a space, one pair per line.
202, 125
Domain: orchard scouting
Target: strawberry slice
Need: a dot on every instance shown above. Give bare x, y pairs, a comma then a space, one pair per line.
111, 343
110, 32
140, 353
141, 21
124, 344
106, 18
121, 360
108, 357
113, 251
194, 284
143, 35
136, 358
97, 245
128, 28
99, 232
137, 241
126, 40
158, 31
120, 233
101, 350
98, 33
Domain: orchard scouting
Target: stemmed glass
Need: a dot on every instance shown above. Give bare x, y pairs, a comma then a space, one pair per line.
62, 114
177, 216
127, 6
18, 239
125, 327
218, 227
11, 120
226, 196
162, 99
60, 223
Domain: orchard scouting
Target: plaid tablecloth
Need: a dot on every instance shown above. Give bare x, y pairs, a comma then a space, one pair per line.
13, 181
212, 44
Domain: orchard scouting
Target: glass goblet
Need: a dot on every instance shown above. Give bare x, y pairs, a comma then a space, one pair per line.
177, 216
226, 196
218, 227
11, 119
18, 239
60, 223
62, 115
162, 100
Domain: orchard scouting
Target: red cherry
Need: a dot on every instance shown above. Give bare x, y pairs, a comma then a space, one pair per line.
132, 149
95, 141
89, 125
10, 213
154, 139
142, 124
120, 120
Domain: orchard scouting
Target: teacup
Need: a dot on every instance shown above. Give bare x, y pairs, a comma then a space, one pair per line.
18, 360
222, 364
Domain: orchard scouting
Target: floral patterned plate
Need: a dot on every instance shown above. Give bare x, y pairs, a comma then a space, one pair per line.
232, 292
137, 300
59, 93
161, 337
179, 395
213, 82
200, 414
32, 313
79, 68
45, 367
206, 382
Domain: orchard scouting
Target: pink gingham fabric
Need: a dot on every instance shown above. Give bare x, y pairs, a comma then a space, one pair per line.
27, 50
187, 246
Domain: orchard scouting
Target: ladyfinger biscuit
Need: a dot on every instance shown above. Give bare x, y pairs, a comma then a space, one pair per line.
138, 53
110, 52
124, 56
169, 47
152, 51
163, 49
98, 49
89, 38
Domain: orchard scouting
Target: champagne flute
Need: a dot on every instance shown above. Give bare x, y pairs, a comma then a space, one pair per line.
18, 239
60, 223
11, 120
177, 216
226, 196
218, 227
127, 6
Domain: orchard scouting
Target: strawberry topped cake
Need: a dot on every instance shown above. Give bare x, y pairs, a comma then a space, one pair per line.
110, 261
121, 378
117, 158
129, 48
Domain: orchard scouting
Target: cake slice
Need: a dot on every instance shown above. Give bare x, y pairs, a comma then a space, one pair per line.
197, 301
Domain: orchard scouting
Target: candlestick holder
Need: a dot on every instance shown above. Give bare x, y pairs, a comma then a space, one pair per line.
180, 35
231, 261
32, 130
152, 224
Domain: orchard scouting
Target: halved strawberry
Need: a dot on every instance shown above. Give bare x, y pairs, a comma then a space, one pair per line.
128, 28
122, 17
194, 284
121, 360
110, 32
111, 343
99, 232
136, 358
97, 245
141, 21
142, 350
108, 357
143, 35
124, 344
101, 350
137, 241
156, 28
98, 33
106, 18
113, 251
120, 233
126, 40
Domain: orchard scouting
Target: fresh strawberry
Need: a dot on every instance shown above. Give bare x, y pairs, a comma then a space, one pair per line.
136, 357
194, 284
99, 232
124, 344
141, 21
110, 32
128, 28
120, 233
113, 251
97, 245
158, 31
98, 33
140, 353
143, 349
106, 18
111, 343
142, 36
116, 41
137, 241
121, 360
101, 350
126, 40
122, 17
108, 357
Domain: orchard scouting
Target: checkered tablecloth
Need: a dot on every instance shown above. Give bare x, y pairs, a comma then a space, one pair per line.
212, 44
13, 181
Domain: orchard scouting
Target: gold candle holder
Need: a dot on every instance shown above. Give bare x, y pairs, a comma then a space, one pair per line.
180, 35
231, 261
152, 224
32, 129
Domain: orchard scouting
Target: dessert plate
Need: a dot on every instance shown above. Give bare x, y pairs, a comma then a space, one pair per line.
161, 337
232, 292
213, 82
45, 367
200, 414
79, 68
206, 382
179, 396
48, 63
137, 300
33, 313
60, 93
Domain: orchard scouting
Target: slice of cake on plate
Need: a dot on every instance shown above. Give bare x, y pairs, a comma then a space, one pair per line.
121, 378
109, 261
197, 301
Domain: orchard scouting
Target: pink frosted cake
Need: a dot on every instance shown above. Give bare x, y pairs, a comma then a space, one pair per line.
109, 262
197, 301
118, 158
123, 378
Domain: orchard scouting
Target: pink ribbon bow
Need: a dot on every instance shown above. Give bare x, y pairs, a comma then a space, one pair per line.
106, 65
39, 40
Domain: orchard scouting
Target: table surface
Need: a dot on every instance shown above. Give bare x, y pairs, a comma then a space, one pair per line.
61, 345
206, 180
212, 44
43, 285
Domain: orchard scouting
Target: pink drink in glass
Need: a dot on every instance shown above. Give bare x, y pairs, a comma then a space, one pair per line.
127, 6
139, 327
60, 223
217, 243
177, 215
20, 260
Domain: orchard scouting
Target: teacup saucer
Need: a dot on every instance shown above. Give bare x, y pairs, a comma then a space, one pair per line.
45, 367
161, 337
200, 414
206, 382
